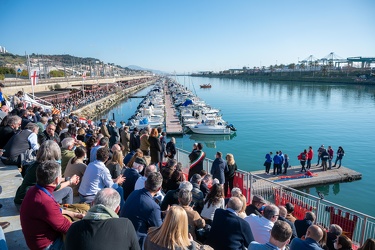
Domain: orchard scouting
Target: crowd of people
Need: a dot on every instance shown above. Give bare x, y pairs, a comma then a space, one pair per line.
325, 156
105, 187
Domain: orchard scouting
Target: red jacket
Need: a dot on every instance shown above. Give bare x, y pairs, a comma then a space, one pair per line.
310, 154
41, 219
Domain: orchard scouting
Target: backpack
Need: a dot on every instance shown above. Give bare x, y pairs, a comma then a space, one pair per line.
303, 156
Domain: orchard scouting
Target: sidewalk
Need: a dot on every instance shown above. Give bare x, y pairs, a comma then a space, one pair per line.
10, 179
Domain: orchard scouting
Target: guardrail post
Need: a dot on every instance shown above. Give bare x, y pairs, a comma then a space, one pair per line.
250, 185
317, 209
362, 240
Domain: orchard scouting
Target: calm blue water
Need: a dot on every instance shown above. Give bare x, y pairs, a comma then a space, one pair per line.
290, 117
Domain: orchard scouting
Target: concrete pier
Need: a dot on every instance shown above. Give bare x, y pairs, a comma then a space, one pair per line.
320, 177
172, 122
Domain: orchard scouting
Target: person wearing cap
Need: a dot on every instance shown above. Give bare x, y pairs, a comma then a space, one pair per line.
261, 226
132, 174
104, 128
255, 206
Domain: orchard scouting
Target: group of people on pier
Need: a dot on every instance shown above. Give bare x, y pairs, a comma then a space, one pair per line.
325, 156
105, 187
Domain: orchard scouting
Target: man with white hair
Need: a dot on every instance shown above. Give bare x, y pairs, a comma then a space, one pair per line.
67, 152
228, 231
261, 226
171, 196
101, 228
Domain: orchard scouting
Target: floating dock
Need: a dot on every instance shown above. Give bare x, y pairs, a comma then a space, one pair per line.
172, 122
319, 177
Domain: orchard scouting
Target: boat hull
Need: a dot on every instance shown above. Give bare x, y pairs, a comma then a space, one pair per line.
210, 130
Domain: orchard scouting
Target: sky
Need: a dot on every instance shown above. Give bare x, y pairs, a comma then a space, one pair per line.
190, 36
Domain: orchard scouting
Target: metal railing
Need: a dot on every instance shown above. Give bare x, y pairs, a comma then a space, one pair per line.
356, 225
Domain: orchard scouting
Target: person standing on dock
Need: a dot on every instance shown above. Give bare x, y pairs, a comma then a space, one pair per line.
330, 153
196, 158
310, 155
268, 162
302, 158
340, 153
325, 157
219, 168
286, 163
276, 164
320, 150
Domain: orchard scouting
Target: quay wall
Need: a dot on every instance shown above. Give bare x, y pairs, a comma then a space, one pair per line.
93, 110
12, 86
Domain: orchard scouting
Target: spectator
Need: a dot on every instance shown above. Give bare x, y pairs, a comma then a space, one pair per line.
49, 151
115, 164
213, 201
21, 145
280, 237
282, 217
173, 233
343, 243
48, 134
76, 166
290, 209
313, 235
142, 210
110, 231
97, 177
368, 245
10, 129
42, 220
229, 231
195, 221
103, 142
236, 192
206, 184
171, 198
334, 231
196, 157
229, 176
219, 168
261, 226
303, 225
197, 194
255, 206
67, 152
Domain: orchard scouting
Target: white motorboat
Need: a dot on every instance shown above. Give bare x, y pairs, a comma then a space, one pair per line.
212, 127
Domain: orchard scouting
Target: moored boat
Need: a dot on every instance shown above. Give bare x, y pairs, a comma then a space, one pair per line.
205, 86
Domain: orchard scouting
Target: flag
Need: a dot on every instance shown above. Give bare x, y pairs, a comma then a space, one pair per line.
34, 76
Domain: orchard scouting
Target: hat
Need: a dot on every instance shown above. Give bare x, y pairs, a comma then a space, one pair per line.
139, 161
259, 198
112, 121
103, 119
135, 129
122, 122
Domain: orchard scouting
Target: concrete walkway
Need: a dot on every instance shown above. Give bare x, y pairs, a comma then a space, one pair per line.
10, 179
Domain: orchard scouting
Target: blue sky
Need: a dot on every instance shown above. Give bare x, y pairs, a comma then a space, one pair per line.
187, 36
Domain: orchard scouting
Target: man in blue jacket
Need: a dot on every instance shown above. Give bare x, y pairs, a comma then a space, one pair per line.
228, 231
313, 235
219, 168
141, 209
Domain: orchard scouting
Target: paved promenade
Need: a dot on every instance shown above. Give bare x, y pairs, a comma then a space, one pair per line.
10, 179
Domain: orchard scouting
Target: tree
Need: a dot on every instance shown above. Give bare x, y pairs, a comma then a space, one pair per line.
24, 73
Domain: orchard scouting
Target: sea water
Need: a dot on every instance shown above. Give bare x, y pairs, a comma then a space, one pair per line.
289, 116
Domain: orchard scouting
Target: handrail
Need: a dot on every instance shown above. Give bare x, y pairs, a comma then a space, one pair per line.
364, 225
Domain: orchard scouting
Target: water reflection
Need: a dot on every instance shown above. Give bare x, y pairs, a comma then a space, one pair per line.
324, 189
210, 140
